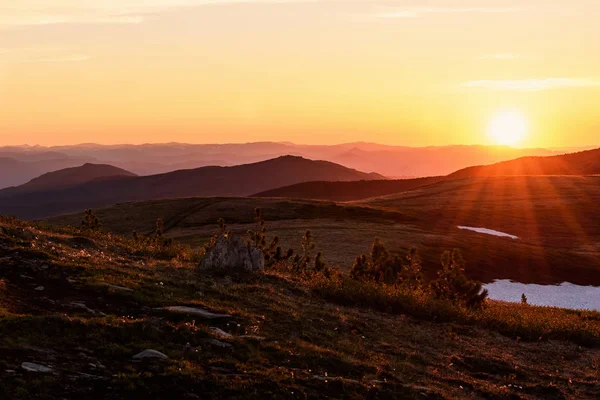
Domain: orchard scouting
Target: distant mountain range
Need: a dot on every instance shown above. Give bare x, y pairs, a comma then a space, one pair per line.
21, 164
92, 186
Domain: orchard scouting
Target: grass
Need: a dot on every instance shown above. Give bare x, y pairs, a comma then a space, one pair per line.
556, 219
321, 338
513, 320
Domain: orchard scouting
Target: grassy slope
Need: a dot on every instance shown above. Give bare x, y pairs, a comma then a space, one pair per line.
556, 218
313, 348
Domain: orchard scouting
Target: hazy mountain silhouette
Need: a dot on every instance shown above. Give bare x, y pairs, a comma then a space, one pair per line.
241, 180
17, 168
152, 159
73, 176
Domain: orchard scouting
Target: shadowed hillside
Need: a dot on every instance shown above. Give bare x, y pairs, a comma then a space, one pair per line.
70, 177
581, 163
347, 191
241, 180
556, 219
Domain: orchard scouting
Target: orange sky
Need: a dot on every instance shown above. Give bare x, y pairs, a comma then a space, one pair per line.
203, 71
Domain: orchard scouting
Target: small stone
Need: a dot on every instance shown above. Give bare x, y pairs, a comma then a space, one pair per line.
220, 332
252, 337
115, 287
150, 354
10, 371
217, 343
32, 367
39, 288
196, 312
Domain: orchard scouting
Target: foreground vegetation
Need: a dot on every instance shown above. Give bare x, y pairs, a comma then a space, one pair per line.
83, 303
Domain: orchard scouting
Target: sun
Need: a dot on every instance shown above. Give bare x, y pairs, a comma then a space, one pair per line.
507, 127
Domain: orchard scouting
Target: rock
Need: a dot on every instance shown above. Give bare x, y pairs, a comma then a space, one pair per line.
217, 343
196, 312
150, 354
115, 287
220, 332
32, 367
252, 337
232, 253
39, 288
86, 308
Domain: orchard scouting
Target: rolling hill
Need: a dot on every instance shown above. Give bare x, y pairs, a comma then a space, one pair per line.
17, 169
241, 180
580, 163
70, 177
348, 191
555, 217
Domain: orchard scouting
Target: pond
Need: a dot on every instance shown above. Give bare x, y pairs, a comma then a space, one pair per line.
488, 231
565, 295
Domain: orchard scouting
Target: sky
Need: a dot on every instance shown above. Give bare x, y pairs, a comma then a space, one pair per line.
400, 72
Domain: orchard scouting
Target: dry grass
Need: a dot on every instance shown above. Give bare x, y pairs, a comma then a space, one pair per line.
314, 347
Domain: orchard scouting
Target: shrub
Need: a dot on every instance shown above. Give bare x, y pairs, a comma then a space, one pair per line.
90, 221
258, 238
453, 284
382, 267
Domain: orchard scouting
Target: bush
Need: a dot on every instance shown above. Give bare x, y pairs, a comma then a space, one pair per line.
453, 284
513, 320
382, 267
91, 222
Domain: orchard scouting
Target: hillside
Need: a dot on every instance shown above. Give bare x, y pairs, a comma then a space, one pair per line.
580, 163
241, 180
77, 309
70, 177
17, 169
556, 219
348, 191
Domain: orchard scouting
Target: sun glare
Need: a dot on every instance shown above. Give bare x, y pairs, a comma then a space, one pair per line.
507, 127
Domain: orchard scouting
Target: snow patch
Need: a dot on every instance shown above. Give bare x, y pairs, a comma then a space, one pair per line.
565, 295
488, 232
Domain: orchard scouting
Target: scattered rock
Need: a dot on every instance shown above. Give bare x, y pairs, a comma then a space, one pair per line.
220, 332
232, 253
196, 312
10, 371
252, 337
26, 277
39, 288
150, 354
86, 308
115, 287
32, 367
217, 343
88, 376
